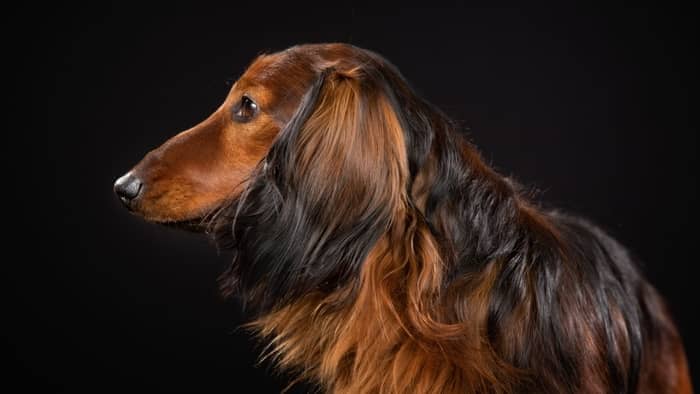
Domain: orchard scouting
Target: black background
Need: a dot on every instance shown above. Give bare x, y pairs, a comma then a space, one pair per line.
589, 106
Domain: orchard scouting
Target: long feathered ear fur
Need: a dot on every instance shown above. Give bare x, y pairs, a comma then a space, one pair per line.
323, 196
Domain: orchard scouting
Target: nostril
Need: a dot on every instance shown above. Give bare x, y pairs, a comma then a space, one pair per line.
128, 187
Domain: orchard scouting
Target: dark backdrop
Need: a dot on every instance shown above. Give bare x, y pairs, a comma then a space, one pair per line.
589, 106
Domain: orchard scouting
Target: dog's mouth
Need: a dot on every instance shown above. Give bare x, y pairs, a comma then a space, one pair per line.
203, 220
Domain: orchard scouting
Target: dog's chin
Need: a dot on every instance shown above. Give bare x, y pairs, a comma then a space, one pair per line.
199, 221
195, 225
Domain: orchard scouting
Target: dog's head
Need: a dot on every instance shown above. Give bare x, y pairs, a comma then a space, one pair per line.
195, 171
315, 153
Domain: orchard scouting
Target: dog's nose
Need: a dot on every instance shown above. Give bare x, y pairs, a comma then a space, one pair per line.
128, 188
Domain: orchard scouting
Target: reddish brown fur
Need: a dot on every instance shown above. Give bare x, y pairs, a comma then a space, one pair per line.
402, 331
195, 171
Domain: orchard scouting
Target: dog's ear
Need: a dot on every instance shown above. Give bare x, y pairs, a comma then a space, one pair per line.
325, 193
344, 153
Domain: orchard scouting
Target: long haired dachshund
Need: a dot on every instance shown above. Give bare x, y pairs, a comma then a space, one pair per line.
378, 253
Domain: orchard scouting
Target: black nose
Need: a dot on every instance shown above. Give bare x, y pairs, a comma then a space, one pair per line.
128, 188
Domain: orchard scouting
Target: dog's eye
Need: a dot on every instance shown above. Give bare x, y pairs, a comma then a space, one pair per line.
245, 110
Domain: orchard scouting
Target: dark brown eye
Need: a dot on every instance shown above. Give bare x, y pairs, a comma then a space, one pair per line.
245, 110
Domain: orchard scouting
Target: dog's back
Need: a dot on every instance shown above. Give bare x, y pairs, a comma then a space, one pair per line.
642, 345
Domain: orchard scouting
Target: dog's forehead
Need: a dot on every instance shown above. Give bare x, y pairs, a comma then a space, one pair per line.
279, 69
294, 68
261, 66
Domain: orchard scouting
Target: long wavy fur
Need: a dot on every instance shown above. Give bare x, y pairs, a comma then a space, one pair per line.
378, 253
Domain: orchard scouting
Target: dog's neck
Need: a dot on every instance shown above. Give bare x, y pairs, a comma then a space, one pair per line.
394, 317
476, 214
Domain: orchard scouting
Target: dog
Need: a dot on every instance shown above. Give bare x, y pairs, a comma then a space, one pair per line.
378, 253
